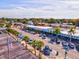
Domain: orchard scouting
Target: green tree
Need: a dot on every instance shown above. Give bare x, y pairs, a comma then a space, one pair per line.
36, 20
34, 44
8, 25
14, 32
1, 25
26, 38
39, 46
51, 20
57, 31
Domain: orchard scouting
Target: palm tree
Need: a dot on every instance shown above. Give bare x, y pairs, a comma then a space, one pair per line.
71, 32
26, 38
57, 31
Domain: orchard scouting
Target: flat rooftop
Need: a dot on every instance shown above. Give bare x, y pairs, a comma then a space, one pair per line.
39, 27
13, 50
64, 31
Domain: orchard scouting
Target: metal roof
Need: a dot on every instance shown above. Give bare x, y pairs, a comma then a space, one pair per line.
39, 27
3, 28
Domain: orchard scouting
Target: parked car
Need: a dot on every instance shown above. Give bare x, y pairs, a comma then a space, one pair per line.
33, 33
0, 33
30, 40
57, 42
43, 37
52, 39
51, 42
71, 46
65, 45
47, 50
77, 47
21, 36
40, 35
27, 30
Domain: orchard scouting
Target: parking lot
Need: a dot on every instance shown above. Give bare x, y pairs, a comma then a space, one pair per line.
72, 54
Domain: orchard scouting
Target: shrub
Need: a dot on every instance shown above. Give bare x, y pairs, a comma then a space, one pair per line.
13, 32
26, 38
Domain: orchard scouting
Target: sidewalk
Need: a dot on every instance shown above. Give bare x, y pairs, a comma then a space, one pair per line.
58, 57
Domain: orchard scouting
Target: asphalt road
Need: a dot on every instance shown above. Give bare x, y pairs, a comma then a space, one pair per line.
71, 53
10, 49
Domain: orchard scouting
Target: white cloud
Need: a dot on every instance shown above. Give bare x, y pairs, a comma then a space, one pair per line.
57, 9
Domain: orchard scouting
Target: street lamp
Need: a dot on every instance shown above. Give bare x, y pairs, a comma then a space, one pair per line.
66, 48
65, 54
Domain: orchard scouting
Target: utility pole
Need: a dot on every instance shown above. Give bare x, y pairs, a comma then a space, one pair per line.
8, 48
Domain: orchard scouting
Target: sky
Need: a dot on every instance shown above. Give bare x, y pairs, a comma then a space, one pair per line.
39, 8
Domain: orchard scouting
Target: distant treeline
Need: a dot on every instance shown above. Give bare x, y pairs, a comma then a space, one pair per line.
41, 20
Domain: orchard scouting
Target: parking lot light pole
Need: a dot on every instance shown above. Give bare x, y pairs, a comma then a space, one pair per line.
65, 54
